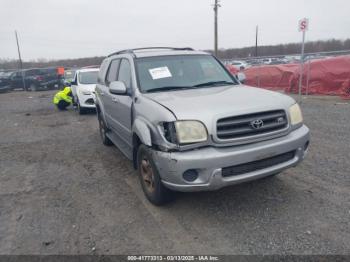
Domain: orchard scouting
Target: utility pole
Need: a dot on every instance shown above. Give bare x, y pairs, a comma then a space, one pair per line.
216, 6
20, 62
303, 27
256, 40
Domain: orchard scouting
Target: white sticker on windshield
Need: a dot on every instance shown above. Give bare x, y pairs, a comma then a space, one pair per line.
160, 72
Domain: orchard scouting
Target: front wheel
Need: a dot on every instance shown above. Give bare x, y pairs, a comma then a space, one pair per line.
150, 179
81, 110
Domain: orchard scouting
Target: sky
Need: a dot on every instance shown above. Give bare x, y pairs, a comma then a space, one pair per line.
58, 29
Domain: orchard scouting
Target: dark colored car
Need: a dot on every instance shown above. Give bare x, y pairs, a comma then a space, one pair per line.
5, 81
37, 79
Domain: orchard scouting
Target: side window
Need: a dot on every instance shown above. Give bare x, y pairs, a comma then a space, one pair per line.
125, 73
33, 72
75, 79
29, 73
43, 72
112, 71
102, 72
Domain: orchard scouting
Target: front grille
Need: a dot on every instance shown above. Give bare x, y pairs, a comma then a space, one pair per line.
242, 126
257, 165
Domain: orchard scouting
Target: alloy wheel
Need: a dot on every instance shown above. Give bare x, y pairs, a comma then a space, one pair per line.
147, 175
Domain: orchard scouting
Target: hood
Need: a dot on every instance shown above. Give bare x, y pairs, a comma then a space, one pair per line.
90, 88
210, 104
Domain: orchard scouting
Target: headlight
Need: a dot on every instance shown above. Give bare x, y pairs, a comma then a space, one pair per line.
190, 132
295, 114
85, 92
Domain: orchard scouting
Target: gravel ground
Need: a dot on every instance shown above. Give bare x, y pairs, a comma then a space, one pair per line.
63, 192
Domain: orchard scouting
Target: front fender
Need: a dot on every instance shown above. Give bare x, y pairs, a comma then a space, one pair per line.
142, 131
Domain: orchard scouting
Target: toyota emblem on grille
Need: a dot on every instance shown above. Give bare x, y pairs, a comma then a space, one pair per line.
257, 124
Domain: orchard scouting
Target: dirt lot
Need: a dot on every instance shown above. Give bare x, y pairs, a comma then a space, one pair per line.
63, 192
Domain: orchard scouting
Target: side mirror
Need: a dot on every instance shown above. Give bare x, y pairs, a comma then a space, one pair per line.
117, 88
73, 83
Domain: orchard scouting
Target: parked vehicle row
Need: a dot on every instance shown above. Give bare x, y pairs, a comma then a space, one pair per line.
38, 79
246, 63
33, 79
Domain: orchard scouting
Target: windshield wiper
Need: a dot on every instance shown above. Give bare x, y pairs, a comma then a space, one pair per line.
168, 88
173, 88
214, 83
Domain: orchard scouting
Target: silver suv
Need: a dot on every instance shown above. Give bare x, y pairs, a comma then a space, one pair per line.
189, 125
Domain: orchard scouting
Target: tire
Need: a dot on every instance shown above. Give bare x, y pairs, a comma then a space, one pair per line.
81, 110
74, 102
33, 87
103, 131
150, 180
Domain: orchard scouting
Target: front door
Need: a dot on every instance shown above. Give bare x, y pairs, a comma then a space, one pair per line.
106, 97
17, 80
121, 105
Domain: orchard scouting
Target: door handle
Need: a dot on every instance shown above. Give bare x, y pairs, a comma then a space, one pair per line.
114, 99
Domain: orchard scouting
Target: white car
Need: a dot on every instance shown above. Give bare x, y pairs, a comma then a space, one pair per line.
83, 88
239, 64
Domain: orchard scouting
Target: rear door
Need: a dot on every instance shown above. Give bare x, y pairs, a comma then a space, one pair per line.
49, 75
16, 80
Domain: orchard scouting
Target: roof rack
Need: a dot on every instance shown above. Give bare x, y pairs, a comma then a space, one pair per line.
131, 51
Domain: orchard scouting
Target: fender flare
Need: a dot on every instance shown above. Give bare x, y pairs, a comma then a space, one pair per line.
141, 129
100, 110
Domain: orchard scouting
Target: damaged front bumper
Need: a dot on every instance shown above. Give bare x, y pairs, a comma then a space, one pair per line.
243, 163
87, 101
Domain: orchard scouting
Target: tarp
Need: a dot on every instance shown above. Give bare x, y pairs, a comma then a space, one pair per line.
233, 70
330, 76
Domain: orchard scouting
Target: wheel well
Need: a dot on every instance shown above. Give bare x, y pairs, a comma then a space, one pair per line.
136, 142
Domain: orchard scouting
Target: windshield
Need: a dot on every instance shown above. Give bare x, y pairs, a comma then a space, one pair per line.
88, 78
6, 74
163, 73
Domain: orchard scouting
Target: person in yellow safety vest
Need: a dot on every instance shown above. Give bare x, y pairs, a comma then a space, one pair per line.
63, 98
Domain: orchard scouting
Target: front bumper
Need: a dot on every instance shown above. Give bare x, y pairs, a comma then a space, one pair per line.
87, 101
209, 161
4, 89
